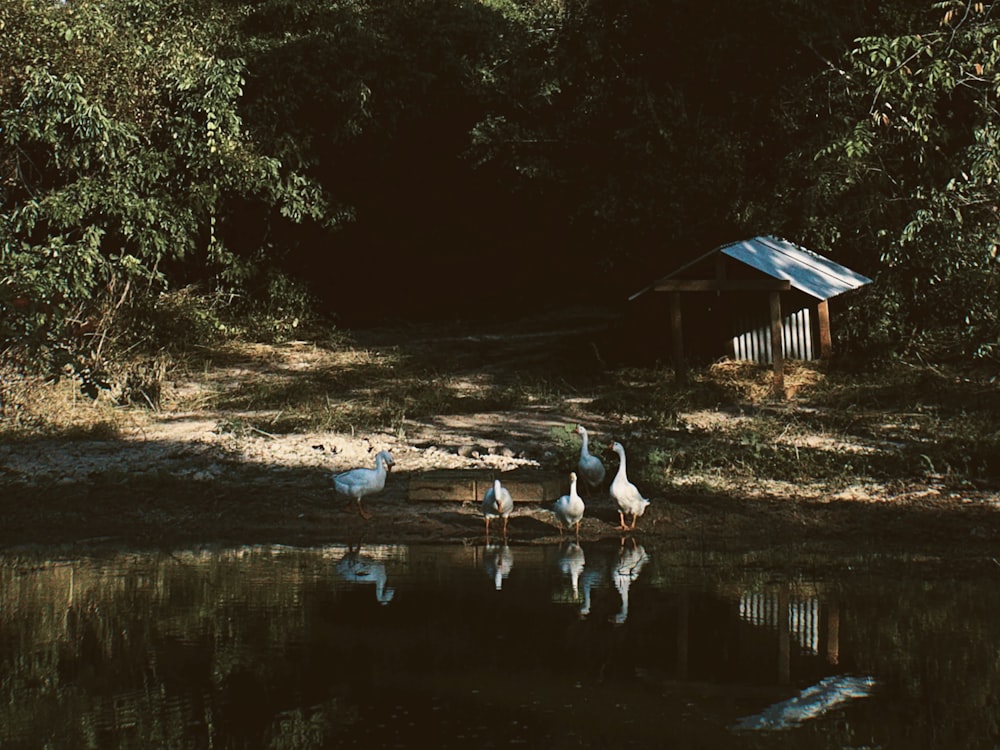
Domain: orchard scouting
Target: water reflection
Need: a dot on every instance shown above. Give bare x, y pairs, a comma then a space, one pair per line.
498, 559
571, 563
591, 644
632, 558
594, 576
601, 568
366, 570
812, 702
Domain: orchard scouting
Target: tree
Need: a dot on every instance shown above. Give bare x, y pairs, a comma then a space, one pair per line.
122, 149
376, 99
907, 180
663, 126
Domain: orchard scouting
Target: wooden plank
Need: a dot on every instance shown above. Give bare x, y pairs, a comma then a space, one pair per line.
470, 486
539, 491
777, 350
723, 285
433, 486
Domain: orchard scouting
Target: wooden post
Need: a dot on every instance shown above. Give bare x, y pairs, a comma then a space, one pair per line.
677, 338
784, 637
825, 339
777, 348
833, 632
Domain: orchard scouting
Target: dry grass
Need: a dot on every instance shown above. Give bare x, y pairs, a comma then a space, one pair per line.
754, 384
31, 406
726, 428
725, 425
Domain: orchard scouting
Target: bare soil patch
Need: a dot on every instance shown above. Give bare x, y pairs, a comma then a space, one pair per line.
218, 464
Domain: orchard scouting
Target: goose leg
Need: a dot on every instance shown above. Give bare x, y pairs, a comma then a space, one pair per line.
505, 520
361, 511
621, 520
487, 529
635, 517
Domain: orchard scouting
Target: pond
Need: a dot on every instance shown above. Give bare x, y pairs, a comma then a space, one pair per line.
604, 644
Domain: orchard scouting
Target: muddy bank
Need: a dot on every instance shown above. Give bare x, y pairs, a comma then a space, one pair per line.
232, 504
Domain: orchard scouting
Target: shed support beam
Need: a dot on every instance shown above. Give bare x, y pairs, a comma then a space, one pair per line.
677, 338
825, 339
723, 285
777, 349
784, 637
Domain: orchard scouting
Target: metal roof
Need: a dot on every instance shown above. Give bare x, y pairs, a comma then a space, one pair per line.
805, 270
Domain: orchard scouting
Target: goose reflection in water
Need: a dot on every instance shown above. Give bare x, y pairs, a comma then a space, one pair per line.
497, 561
362, 569
594, 575
632, 558
571, 564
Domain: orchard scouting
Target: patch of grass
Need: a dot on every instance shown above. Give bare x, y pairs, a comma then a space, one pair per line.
365, 396
894, 422
31, 406
653, 394
565, 443
388, 404
836, 428
759, 450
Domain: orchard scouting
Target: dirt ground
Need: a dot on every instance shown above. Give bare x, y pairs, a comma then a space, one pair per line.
173, 478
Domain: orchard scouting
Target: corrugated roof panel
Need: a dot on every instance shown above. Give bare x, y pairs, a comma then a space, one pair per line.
806, 271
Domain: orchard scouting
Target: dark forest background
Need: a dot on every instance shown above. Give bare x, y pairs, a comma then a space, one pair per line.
446, 158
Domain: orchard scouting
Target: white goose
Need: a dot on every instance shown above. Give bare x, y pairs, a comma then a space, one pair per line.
359, 483
569, 509
626, 494
497, 503
589, 467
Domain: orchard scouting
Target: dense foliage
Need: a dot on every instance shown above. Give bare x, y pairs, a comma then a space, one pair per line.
123, 153
905, 179
458, 157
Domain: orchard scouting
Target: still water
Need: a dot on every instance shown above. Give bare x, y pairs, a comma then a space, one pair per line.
597, 645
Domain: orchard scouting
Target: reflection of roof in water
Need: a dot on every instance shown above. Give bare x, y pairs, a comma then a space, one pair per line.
810, 703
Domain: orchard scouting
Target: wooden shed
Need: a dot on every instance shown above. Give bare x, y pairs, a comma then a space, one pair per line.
761, 299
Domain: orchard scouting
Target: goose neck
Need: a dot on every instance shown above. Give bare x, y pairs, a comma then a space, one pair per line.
621, 465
